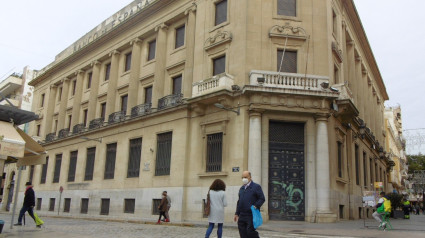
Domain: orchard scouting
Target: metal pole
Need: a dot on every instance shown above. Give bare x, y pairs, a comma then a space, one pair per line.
15, 200
60, 197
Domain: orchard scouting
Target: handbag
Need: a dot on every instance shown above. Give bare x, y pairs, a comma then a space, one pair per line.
207, 205
257, 220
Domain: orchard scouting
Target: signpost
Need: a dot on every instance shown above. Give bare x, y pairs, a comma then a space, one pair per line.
60, 198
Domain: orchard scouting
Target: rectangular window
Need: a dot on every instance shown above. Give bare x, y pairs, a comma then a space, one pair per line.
84, 205
42, 100
135, 157
341, 211
102, 110
163, 154
177, 85
90, 77
287, 7
69, 121
334, 22
127, 62
38, 130
57, 172
38, 206
214, 152
85, 114
179, 37
357, 163
152, 49
155, 205
74, 86
339, 159
67, 205
107, 71
72, 166
124, 100
220, 12
148, 94
364, 169
111, 154
44, 171
129, 205
104, 206
52, 204
287, 62
219, 65
371, 170
91, 154
56, 125
60, 94
31, 173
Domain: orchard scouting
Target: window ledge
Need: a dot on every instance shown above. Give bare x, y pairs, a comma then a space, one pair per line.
342, 180
212, 174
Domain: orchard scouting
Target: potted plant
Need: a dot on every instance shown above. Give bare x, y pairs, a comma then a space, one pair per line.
396, 205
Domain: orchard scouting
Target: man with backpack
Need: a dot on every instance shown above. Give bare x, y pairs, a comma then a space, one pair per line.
383, 206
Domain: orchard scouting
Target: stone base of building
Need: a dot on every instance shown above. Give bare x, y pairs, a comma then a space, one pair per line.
325, 217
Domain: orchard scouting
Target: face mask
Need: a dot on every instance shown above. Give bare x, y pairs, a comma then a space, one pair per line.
245, 180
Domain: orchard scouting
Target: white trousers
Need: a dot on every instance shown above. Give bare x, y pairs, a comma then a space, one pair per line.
377, 217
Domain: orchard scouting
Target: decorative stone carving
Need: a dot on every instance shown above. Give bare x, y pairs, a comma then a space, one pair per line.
288, 31
337, 52
219, 38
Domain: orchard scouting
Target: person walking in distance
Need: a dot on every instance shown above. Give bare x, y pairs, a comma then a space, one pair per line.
217, 203
29, 203
167, 215
250, 194
162, 206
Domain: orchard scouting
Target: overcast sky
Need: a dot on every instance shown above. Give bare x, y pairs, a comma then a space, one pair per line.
34, 32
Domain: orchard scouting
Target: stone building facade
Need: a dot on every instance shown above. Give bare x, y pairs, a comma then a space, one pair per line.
171, 95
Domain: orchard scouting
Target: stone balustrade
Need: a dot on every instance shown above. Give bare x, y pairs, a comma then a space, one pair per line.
216, 83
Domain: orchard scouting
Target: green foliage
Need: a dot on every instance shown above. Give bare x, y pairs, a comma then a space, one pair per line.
396, 200
416, 162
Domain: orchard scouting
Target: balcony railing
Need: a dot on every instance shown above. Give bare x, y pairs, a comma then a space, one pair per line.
170, 101
141, 110
96, 123
216, 83
288, 80
63, 133
116, 117
50, 137
78, 128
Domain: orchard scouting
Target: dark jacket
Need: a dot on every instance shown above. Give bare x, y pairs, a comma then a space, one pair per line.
163, 206
252, 195
29, 199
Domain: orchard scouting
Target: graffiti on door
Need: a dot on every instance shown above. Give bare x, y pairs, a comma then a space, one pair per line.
295, 195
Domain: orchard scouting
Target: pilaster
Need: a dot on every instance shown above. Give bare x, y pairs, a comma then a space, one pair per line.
112, 84
63, 103
190, 49
134, 74
50, 110
160, 57
254, 150
94, 90
77, 99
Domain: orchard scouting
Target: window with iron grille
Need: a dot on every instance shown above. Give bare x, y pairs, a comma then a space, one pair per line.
107, 71
357, 163
177, 84
102, 110
129, 205
135, 157
364, 169
38, 206
152, 49
84, 205
127, 62
155, 204
179, 37
52, 204
72, 166
148, 94
57, 172
90, 77
288, 63
44, 171
220, 12
31, 173
91, 154
104, 206
67, 205
287, 7
214, 152
111, 154
339, 146
219, 65
124, 100
163, 154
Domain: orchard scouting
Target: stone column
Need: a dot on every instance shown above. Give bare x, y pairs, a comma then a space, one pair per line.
133, 87
254, 150
190, 49
94, 90
63, 104
323, 183
112, 84
359, 86
50, 110
76, 108
160, 57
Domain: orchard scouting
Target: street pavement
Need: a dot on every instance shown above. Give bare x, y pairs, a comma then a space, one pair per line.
73, 227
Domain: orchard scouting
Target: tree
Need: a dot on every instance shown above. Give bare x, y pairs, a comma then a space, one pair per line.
416, 162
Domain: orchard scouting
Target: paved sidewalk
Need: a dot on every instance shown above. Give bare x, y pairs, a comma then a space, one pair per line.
70, 228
